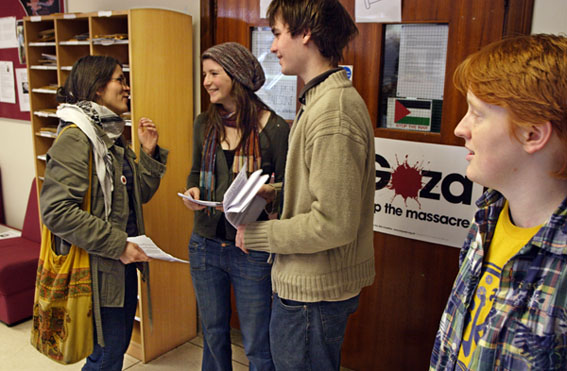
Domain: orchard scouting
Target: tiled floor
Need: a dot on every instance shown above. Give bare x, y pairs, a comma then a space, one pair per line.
16, 353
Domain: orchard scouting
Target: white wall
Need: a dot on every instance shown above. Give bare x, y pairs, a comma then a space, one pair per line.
550, 16
16, 148
17, 166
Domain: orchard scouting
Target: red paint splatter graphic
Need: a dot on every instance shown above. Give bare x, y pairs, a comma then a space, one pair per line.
406, 181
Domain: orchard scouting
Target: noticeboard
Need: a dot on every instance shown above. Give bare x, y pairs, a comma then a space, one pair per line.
413, 76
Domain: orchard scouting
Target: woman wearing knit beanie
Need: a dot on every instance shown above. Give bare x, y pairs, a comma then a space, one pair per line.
237, 130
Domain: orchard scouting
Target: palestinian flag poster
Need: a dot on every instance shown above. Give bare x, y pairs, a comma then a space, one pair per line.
409, 114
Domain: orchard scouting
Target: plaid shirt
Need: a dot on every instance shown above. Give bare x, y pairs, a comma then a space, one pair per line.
526, 329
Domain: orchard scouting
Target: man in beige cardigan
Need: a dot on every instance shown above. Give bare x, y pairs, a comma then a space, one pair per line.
323, 243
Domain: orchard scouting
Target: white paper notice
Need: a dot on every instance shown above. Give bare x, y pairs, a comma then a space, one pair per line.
423, 52
152, 250
7, 232
378, 11
279, 91
7, 88
8, 37
200, 202
23, 89
264, 8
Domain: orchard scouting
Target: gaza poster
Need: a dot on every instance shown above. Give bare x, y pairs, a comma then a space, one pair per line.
422, 191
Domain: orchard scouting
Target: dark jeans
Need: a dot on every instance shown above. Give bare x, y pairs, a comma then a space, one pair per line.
309, 336
215, 265
117, 326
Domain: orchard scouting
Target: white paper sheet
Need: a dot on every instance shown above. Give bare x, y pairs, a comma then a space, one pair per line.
264, 8
279, 91
23, 89
423, 52
7, 88
378, 11
8, 38
200, 202
7, 232
152, 250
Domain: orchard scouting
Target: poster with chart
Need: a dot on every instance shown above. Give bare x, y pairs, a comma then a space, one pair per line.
423, 53
378, 11
279, 91
413, 76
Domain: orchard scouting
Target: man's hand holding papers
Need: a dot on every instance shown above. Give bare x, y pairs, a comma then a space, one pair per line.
242, 205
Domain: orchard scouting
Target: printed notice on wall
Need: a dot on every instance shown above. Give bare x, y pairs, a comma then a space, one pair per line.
423, 51
264, 8
7, 85
23, 89
279, 91
422, 192
378, 11
8, 37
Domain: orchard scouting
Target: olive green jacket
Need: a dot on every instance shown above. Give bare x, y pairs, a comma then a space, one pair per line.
61, 198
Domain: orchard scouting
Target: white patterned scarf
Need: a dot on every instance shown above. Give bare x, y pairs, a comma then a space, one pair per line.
86, 115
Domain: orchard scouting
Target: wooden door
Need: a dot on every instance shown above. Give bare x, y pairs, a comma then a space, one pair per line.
394, 327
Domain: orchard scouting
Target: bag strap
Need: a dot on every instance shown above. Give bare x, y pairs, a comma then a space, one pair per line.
87, 199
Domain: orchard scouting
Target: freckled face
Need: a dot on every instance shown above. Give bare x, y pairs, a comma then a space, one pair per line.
493, 150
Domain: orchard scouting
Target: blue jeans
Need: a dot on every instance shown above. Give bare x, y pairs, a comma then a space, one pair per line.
117, 324
215, 265
309, 336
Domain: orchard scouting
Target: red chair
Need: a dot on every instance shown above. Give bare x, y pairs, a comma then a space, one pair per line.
18, 266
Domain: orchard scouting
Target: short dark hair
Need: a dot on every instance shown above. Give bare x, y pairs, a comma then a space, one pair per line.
331, 26
88, 75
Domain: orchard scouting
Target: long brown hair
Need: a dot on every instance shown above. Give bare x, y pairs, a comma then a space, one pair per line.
248, 108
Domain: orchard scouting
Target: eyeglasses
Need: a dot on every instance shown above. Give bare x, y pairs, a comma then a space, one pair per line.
121, 80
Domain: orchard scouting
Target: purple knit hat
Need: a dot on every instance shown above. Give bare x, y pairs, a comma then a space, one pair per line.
238, 62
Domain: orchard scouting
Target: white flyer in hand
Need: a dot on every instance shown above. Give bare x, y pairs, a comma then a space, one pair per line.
241, 203
200, 202
152, 250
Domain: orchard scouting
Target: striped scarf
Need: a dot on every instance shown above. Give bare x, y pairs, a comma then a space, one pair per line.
248, 152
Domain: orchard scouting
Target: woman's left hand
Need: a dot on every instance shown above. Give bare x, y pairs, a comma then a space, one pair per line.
148, 135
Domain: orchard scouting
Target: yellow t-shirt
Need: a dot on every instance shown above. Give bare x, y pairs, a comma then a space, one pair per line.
508, 239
